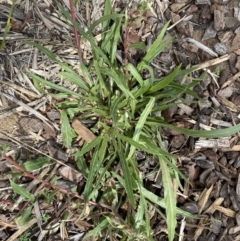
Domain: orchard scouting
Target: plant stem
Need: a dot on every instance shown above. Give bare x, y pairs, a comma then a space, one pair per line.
75, 31
27, 174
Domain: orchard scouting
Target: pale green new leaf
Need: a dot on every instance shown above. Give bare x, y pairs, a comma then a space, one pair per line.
140, 124
22, 192
39, 163
66, 130
170, 199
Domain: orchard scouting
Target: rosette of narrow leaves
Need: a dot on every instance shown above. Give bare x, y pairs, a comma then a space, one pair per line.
122, 105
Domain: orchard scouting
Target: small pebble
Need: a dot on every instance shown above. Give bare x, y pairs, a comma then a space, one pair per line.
220, 48
190, 207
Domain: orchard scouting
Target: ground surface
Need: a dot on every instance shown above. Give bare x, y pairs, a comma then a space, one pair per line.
212, 166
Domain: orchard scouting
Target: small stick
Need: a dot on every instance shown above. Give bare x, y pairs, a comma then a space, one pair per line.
231, 80
211, 62
76, 35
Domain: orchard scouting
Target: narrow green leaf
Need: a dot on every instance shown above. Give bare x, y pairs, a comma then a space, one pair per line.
88, 36
142, 145
86, 74
155, 48
39, 163
138, 45
107, 11
44, 50
116, 40
73, 78
82, 165
142, 90
104, 19
66, 130
114, 108
22, 192
97, 160
184, 89
52, 85
97, 230
24, 217
161, 202
105, 169
88, 146
135, 73
200, 133
103, 87
170, 199
140, 212
119, 79
128, 176
164, 82
140, 124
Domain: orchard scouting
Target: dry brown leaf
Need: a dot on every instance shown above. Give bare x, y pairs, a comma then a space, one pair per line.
70, 174
212, 208
231, 80
203, 198
83, 225
198, 231
228, 212
83, 131
228, 104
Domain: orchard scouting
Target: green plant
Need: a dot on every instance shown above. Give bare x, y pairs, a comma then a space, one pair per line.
217, 71
24, 237
8, 25
123, 106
